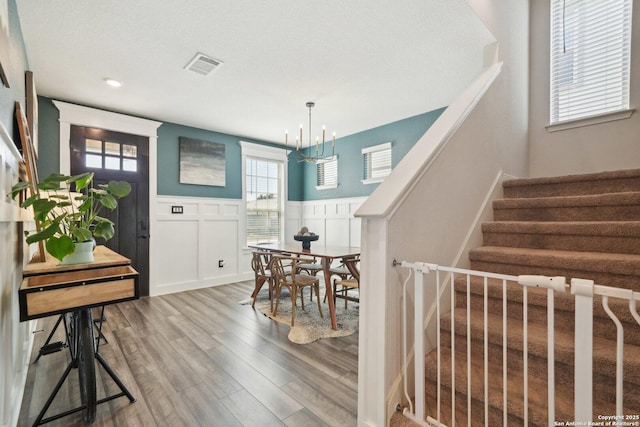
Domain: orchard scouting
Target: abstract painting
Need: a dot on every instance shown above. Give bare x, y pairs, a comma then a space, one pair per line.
202, 162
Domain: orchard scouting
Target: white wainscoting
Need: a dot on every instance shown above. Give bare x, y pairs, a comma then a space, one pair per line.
333, 220
188, 246
15, 337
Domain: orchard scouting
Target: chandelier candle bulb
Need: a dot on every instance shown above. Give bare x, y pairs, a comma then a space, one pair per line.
333, 143
300, 133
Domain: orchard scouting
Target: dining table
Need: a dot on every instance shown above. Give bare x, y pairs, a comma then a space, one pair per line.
326, 253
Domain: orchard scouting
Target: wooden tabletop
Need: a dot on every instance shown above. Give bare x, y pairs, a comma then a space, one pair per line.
317, 249
103, 257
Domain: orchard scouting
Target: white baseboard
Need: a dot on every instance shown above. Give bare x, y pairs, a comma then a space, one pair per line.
200, 284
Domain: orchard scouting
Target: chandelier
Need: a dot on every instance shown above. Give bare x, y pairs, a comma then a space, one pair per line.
299, 155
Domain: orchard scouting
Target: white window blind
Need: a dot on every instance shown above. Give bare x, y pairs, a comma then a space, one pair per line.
590, 56
377, 162
327, 173
263, 196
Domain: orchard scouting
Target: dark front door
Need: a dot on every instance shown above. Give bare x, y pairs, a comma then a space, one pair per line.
121, 157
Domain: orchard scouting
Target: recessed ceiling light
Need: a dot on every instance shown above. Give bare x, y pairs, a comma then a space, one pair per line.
112, 82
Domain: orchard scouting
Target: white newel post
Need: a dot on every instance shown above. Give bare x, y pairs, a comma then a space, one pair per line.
372, 351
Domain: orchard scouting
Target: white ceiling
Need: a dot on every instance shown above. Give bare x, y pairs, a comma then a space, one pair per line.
364, 62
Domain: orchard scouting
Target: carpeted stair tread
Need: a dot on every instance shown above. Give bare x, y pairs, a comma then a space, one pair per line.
587, 228
623, 206
588, 236
603, 349
600, 182
399, 420
564, 305
623, 269
627, 198
537, 390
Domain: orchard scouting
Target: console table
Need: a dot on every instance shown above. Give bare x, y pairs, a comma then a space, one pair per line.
71, 291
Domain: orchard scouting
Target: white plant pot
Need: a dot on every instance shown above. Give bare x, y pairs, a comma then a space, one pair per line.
83, 254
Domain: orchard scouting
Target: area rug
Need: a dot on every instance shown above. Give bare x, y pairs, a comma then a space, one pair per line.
309, 326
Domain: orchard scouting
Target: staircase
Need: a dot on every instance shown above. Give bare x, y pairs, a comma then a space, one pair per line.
578, 226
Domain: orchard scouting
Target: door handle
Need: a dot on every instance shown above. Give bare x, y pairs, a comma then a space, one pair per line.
143, 236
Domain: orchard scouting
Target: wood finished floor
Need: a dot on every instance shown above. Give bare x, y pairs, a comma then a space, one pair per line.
199, 358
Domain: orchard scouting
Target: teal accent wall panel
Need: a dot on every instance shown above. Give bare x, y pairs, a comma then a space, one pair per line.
169, 162
48, 138
295, 187
402, 134
168, 156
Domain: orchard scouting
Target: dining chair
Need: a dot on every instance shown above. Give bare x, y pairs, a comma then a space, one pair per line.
294, 281
260, 265
342, 286
312, 267
339, 270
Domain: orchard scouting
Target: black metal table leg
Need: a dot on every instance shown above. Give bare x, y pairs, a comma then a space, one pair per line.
82, 346
47, 348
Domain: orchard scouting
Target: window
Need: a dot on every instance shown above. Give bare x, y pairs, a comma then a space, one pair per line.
377, 163
110, 155
590, 51
264, 190
327, 171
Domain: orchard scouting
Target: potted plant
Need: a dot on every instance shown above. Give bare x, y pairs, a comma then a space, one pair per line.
71, 219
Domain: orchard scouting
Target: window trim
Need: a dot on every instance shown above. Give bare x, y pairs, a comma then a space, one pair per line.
249, 149
375, 148
328, 186
591, 120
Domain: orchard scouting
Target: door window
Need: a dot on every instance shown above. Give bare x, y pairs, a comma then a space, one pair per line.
110, 155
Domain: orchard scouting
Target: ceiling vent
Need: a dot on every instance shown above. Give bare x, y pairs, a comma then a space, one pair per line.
203, 64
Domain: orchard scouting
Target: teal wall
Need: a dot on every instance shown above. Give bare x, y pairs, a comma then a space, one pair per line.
48, 137
14, 63
168, 156
402, 134
169, 162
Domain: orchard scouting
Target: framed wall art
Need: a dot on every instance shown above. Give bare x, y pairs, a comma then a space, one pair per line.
202, 162
32, 170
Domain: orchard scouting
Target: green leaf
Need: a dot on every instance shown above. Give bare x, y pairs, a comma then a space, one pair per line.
60, 247
81, 234
109, 202
28, 202
119, 188
47, 233
104, 229
85, 206
18, 188
56, 178
50, 186
42, 207
102, 219
82, 181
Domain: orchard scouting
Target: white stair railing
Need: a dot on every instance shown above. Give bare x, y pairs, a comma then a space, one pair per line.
583, 291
